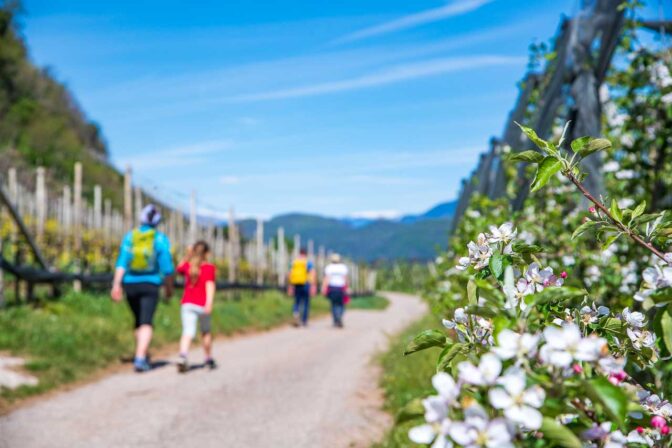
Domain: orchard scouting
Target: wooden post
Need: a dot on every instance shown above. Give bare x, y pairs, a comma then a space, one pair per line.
97, 207
77, 218
40, 202
260, 252
77, 285
107, 218
232, 250
128, 200
138, 203
282, 257
297, 246
2, 280
193, 231
311, 250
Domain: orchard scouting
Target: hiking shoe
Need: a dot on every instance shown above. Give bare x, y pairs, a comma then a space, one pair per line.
211, 364
141, 365
182, 365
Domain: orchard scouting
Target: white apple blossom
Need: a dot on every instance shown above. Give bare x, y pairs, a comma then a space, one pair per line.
520, 405
459, 317
590, 314
654, 277
654, 404
641, 338
477, 431
611, 166
668, 257
515, 345
634, 318
625, 202
479, 254
612, 365
436, 413
564, 345
625, 174
542, 278
504, 233
666, 99
486, 373
515, 294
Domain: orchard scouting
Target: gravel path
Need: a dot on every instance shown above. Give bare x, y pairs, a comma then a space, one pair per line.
308, 387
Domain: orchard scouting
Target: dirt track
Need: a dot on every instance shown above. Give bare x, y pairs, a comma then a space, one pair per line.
312, 387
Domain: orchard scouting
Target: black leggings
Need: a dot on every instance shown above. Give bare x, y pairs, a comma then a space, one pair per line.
142, 298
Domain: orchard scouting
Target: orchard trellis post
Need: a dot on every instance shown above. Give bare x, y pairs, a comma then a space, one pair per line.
569, 88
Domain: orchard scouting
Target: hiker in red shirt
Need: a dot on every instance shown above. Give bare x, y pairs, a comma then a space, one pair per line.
197, 302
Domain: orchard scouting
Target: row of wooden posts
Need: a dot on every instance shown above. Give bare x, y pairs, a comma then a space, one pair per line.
67, 214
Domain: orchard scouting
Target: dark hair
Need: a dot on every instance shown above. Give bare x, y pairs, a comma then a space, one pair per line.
200, 250
303, 251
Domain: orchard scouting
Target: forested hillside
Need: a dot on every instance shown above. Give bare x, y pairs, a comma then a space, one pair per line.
40, 120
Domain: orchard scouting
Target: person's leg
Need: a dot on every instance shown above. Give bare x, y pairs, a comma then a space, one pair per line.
305, 299
339, 313
297, 306
188, 329
148, 301
206, 333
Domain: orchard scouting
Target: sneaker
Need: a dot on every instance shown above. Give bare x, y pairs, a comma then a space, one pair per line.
297, 320
141, 365
211, 364
182, 365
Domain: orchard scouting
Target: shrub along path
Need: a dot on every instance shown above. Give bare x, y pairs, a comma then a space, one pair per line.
290, 387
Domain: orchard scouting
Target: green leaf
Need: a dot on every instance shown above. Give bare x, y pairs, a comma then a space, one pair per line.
578, 144
426, 339
615, 211
521, 247
613, 326
472, 290
583, 228
556, 294
448, 354
547, 169
412, 410
593, 145
559, 434
638, 210
662, 295
611, 240
497, 265
666, 327
525, 156
542, 144
612, 398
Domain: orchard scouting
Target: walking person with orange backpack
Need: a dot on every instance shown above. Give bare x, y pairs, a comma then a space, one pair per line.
302, 284
144, 263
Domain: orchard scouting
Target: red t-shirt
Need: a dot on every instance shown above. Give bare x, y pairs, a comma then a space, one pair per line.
195, 292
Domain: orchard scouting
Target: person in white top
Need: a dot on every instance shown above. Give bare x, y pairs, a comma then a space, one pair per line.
335, 287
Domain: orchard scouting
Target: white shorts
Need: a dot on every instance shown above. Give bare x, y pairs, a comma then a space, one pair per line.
190, 315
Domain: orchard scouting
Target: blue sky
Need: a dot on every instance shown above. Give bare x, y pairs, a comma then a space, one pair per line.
345, 107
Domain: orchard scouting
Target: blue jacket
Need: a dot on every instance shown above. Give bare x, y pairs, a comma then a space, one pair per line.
163, 265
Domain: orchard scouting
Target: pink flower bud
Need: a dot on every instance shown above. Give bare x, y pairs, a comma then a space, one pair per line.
621, 375
665, 430
658, 422
577, 368
613, 380
563, 274
640, 430
592, 209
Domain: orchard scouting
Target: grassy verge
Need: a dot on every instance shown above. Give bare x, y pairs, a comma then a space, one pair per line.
406, 378
68, 340
369, 303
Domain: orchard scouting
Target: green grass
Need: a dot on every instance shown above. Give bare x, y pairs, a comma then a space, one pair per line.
369, 303
70, 339
406, 378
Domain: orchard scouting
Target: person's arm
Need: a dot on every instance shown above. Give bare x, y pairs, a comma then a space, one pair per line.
123, 260
325, 284
313, 282
117, 292
166, 265
210, 289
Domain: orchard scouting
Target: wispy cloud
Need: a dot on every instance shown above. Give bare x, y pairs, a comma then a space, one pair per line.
229, 180
376, 214
391, 75
453, 9
192, 154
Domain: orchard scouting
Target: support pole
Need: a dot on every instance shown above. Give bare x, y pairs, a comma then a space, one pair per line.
260, 252
193, 233
40, 202
128, 200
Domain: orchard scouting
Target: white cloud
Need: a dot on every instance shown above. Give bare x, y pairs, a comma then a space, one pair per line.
453, 9
192, 154
391, 75
229, 180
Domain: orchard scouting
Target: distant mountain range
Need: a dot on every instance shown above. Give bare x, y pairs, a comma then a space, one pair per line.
411, 237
